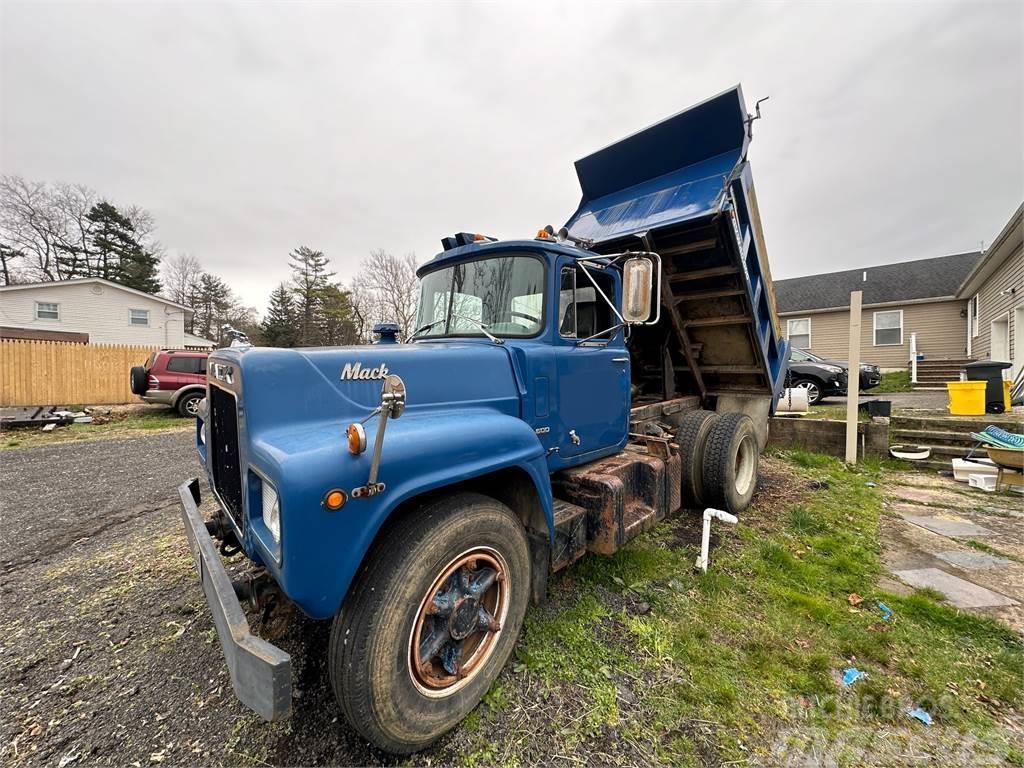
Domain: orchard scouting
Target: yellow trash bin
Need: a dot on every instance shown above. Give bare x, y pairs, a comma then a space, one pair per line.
966, 398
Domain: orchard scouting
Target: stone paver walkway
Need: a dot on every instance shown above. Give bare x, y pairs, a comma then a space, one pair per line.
965, 543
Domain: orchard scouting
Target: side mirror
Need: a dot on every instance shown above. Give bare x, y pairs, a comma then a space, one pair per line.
637, 285
392, 396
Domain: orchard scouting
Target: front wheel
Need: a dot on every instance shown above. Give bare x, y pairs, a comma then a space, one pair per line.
430, 621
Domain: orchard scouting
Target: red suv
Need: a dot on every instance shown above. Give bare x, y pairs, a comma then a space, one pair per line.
172, 377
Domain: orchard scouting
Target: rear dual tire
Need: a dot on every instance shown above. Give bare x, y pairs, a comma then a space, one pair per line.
720, 457
391, 691
731, 458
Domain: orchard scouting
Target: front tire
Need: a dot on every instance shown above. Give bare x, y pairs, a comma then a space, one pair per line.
430, 621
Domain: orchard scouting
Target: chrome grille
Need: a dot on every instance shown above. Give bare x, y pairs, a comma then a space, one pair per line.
227, 470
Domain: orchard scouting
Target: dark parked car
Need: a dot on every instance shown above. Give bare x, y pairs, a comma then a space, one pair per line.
820, 379
172, 377
809, 371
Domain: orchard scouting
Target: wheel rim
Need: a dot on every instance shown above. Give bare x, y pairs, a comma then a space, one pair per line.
812, 390
459, 622
192, 406
746, 460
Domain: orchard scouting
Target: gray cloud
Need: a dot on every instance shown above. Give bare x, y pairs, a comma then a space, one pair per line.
893, 131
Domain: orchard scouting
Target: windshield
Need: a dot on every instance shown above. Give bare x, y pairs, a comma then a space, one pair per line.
505, 294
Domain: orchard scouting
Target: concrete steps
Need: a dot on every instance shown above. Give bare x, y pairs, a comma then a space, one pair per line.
949, 437
933, 374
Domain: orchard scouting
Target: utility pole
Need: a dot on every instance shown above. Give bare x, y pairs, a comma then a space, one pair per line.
853, 378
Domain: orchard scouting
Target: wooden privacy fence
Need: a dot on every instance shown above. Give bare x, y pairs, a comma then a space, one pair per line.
60, 373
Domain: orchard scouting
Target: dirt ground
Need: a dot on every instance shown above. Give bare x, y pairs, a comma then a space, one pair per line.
108, 654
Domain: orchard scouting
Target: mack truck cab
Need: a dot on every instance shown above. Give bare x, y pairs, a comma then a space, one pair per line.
561, 394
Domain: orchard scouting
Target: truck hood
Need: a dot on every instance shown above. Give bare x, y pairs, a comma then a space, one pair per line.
292, 386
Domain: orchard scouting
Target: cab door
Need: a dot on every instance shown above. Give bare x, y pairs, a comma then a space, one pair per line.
592, 366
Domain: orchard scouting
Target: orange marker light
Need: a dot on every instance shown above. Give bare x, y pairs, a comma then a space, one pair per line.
335, 500
478, 237
542, 235
356, 439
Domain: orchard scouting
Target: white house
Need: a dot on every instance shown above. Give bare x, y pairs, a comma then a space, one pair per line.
107, 312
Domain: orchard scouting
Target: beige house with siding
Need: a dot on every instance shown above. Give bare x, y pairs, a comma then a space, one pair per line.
967, 306
914, 297
994, 292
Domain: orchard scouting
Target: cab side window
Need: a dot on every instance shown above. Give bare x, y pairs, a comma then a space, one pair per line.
582, 311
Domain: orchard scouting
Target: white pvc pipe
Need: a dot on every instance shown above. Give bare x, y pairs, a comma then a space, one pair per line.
793, 401
705, 535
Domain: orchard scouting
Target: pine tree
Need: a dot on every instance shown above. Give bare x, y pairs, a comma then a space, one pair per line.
117, 253
213, 303
338, 327
310, 279
278, 328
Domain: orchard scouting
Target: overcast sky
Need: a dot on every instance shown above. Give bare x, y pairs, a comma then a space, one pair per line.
894, 130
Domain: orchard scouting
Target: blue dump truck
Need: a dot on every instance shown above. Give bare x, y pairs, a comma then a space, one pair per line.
561, 394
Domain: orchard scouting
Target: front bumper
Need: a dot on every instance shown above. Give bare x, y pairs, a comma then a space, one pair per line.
261, 673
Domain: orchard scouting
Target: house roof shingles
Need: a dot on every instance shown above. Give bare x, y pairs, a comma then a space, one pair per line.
924, 279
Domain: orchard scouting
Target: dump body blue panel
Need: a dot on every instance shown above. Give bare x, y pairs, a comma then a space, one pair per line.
685, 194
713, 127
671, 172
685, 183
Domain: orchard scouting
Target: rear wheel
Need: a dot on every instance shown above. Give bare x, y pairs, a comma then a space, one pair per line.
430, 621
731, 459
188, 404
692, 438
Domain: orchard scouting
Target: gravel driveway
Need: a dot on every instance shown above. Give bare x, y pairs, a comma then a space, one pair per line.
108, 654
53, 495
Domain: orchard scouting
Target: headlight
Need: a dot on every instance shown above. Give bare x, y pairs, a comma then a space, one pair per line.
833, 369
271, 511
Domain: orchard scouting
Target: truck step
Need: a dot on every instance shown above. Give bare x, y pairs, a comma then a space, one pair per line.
570, 534
623, 495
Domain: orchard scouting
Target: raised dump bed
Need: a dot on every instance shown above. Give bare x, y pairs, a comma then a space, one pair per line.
683, 189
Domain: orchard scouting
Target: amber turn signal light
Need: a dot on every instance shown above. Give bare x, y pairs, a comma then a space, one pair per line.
335, 500
356, 439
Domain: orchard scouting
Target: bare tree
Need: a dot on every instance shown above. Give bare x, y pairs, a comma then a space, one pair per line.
180, 275
72, 204
385, 290
48, 232
31, 225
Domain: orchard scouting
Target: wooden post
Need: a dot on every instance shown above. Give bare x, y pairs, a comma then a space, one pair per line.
853, 378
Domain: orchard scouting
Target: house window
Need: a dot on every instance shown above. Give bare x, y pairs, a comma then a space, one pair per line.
889, 328
47, 311
975, 321
799, 333
138, 316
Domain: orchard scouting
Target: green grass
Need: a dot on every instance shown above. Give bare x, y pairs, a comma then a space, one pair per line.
121, 424
765, 634
835, 413
895, 381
